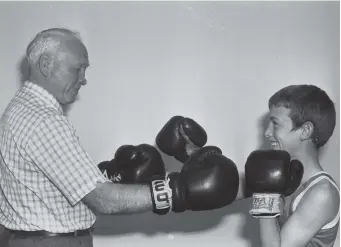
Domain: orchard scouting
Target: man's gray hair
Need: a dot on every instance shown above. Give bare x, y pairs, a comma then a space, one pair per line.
47, 41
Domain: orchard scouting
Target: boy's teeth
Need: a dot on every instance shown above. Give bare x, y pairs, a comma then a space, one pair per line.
274, 144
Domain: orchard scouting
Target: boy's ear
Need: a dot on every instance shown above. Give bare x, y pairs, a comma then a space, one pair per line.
307, 130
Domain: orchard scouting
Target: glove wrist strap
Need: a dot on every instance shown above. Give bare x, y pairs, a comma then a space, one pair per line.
266, 205
161, 195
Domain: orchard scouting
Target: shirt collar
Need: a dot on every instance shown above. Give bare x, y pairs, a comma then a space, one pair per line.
43, 95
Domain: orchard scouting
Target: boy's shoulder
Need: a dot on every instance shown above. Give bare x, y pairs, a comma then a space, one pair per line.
323, 197
324, 189
324, 186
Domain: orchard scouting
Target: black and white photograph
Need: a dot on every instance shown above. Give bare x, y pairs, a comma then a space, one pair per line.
170, 123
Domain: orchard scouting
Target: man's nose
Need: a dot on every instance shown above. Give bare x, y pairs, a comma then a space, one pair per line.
83, 82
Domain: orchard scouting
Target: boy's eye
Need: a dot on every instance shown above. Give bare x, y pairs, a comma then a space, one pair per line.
274, 123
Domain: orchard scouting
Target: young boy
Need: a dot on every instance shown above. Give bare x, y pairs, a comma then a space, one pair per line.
301, 120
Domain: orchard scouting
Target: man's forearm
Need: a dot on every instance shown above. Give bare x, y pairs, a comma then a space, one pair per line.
270, 232
115, 198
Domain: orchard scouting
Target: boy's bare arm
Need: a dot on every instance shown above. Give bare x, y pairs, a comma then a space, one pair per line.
319, 206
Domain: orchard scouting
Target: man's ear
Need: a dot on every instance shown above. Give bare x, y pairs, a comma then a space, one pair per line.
307, 130
45, 65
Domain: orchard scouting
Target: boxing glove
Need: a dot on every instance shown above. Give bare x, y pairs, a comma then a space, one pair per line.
270, 175
134, 164
208, 180
108, 170
179, 135
103, 166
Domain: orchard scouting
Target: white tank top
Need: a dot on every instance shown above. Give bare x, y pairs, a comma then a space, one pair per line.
312, 183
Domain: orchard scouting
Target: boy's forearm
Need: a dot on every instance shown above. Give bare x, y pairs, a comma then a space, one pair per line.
270, 232
269, 228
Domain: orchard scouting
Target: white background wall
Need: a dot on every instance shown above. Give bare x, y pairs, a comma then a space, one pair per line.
217, 62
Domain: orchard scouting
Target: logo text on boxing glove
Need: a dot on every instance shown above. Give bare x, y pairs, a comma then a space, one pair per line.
161, 194
265, 203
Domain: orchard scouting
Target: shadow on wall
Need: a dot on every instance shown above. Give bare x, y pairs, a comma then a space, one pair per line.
150, 224
189, 221
23, 70
262, 125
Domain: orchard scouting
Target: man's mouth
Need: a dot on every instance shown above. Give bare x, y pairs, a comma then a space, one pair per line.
76, 89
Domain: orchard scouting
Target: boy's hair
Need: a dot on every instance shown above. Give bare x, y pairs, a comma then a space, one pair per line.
308, 103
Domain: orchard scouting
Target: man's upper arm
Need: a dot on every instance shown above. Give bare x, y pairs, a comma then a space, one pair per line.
94, 199
318, 207
58, 154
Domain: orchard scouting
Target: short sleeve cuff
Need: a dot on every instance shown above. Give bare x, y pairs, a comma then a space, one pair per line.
85, 189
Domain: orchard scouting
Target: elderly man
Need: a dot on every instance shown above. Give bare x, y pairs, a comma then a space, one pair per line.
50, 188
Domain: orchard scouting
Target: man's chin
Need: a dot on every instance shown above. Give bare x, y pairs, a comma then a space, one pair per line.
73, 99
68, 103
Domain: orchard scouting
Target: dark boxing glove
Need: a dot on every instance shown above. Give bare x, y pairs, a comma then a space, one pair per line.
208, 180
108, 170
134, 164
269, 175
179, 134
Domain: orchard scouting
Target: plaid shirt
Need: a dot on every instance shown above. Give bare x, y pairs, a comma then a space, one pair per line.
44, 171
